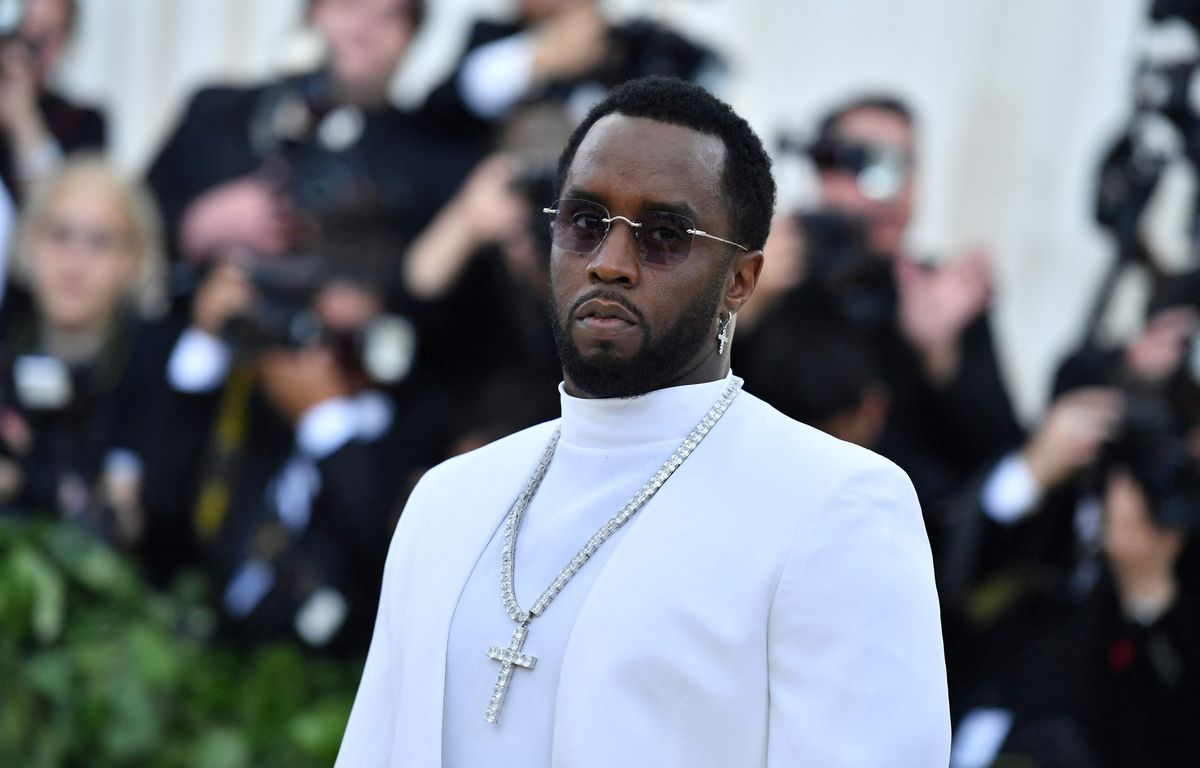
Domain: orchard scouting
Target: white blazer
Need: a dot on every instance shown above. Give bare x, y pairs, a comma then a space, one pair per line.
777, 609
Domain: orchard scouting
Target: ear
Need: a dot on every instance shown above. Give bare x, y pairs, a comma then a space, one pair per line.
743, 277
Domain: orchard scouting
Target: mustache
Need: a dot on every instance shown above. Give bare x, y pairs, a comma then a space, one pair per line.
607, 295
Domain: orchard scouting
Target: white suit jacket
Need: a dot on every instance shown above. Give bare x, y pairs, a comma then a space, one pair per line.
777, 609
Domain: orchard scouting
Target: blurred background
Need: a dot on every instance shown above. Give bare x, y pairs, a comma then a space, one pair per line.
1017, 101
265, 263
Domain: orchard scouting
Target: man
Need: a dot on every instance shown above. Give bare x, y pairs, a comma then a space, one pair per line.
1090, 658
290, 205
769, 600
250, 167
950, 410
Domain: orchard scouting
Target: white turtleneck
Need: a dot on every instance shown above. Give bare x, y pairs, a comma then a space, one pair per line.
608, 450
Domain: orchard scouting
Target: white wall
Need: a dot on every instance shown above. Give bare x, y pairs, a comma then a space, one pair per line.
1016, 97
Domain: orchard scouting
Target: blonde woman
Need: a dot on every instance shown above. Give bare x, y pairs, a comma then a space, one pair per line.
79, 362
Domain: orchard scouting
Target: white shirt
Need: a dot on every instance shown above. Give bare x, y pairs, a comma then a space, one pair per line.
607, 451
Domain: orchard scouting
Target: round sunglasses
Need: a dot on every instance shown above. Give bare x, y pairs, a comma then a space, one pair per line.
662, 237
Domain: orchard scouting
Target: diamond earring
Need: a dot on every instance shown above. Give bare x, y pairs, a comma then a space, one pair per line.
723, 337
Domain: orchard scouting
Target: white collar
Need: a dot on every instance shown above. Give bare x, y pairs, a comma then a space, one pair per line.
663, 414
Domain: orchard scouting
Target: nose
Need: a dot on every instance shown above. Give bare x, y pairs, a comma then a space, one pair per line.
616, 259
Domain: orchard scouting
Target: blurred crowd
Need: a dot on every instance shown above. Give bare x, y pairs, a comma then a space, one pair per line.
242, 362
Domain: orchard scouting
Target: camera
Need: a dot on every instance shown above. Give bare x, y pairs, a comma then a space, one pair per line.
1155, 448
856, 281
282, 315
302, 137
354, 244
640, 48
1160, 421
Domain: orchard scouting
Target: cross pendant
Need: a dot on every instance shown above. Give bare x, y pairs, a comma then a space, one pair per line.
508, 657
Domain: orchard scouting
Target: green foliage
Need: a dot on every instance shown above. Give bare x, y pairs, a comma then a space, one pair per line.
96, 669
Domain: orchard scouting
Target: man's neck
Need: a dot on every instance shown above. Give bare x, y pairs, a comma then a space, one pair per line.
709, 369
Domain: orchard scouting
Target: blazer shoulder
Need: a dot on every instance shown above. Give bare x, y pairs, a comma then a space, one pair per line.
221, 99
771, 434
517, 452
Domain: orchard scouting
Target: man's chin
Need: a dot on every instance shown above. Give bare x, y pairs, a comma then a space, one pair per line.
599, 376
607, 345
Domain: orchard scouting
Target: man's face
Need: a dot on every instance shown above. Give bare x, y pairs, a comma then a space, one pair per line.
45, 25
624, 326
886, 219
366, 39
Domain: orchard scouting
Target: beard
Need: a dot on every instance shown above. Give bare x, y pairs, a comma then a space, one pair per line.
661, 357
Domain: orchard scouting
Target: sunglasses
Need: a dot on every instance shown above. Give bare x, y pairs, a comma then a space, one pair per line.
662, 237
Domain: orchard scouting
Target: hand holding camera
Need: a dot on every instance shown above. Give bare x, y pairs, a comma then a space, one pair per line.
247, 212
937, 305
1073, 434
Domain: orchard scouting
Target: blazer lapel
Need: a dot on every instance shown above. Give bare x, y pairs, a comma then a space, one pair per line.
447, 551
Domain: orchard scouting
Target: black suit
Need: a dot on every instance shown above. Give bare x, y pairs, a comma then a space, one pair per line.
397, 160
109, 409
73, 126
1040, 630
940, 434
1034, 614
350, 514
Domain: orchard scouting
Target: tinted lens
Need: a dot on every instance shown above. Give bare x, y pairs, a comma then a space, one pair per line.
578, 226
665, 238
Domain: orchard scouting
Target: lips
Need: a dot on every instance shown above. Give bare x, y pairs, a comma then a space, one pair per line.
600, 309
605, 319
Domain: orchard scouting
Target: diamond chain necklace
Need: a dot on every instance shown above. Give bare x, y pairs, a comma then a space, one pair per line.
510, 656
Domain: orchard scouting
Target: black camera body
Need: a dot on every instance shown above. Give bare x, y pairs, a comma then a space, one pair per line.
641, 48
304, 139
1160, 421
282, 317
856, 281
1153, 445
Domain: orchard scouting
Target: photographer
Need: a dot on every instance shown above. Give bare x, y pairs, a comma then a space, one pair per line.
949, 412
249, 168
80, 370
559, 52
1080, 612
291, 430
37, 126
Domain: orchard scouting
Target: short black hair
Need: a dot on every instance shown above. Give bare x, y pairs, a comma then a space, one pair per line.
828, 127
748, 186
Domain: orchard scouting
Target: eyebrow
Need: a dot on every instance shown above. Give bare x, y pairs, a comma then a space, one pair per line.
679, 208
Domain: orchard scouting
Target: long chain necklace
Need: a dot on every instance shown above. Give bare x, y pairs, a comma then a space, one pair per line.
510, 656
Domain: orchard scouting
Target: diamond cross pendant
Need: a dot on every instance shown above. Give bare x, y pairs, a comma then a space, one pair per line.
508, 657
